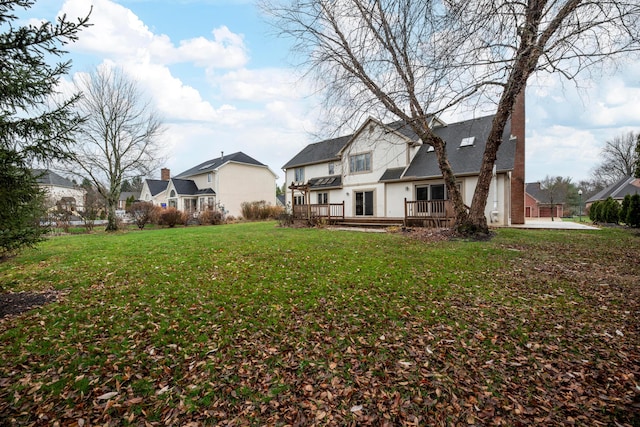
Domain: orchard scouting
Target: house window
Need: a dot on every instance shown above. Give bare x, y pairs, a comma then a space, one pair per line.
298, 200
323, 198
332, 168
364, 203
209, 177
360, 163
429, 194
299, 172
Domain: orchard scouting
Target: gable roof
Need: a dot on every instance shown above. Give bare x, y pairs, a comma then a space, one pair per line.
47, 177
156, 186
213, 164
319, 152
627, 185
464, 160
184, 186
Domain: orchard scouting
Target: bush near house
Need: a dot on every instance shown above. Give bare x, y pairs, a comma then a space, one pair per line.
605, 211
143, 213
260, 210
211, 217
171, 217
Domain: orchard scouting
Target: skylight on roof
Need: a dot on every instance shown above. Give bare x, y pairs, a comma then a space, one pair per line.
430, 149
207, 166
468, 141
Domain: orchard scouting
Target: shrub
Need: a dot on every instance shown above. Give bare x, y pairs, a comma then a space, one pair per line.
624, 209
171, 217
611, 211
211, 217
594, 213
260, 210
633, 214
143, 213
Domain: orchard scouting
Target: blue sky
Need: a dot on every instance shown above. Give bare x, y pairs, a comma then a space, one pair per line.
222, 82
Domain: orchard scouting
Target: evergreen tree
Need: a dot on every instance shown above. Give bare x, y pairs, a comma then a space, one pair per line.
633, 214
34, 125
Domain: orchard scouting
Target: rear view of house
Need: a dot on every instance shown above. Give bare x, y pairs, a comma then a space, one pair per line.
385, 171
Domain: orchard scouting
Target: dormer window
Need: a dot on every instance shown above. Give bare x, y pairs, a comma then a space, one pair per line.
468, 141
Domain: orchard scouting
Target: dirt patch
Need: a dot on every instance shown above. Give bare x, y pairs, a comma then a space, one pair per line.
15, 303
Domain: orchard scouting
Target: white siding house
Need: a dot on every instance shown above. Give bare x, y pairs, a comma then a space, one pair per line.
380, 167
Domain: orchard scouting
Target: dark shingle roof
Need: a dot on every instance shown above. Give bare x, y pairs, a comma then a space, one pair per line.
627, 185
47, 177
333, 181
184, 186
463, 160
392, 174
213, 164
319, 152
157, 186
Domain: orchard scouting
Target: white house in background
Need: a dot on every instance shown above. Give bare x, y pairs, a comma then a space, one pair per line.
384, 171
222, 183
60, 190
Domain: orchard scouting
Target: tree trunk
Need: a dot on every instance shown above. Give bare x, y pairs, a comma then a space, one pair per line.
112, 219
459, 208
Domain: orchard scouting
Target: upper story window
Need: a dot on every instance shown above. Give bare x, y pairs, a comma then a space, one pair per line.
332, 168
299, 174
209, 177
360, 163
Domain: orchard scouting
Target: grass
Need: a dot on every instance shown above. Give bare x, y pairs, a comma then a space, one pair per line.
252, 324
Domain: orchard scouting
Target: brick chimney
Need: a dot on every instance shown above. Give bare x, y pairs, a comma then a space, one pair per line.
517, 176
165, 174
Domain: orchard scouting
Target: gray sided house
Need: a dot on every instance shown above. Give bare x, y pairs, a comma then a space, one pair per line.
617, 191
385, 171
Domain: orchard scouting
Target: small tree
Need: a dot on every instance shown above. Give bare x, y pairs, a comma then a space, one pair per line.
611, 211
633, 214
121, 136
624, 209
171, 217
143, 213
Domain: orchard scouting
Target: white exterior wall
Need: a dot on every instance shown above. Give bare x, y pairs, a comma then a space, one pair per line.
202, 180
238, 183
55, 194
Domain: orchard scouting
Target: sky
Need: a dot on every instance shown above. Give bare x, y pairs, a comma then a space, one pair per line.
224, 82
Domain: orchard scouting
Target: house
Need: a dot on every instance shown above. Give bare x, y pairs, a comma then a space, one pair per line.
617, 191
222, 183
60, 191
538, 203
127, 195
384, 171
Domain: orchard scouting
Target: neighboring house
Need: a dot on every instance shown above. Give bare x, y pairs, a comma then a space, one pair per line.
538, 204
384, 171
223, 183
60, 190
124, 195
154, 190
627, 185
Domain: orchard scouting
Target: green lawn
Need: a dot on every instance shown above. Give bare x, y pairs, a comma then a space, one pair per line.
251, 324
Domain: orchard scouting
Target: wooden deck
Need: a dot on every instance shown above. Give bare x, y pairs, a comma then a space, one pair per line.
421, 213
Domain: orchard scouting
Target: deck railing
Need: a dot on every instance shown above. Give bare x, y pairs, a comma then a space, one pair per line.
426, 208
330, 211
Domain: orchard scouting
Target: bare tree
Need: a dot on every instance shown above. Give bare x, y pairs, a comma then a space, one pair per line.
121, 136
619, 158
557, 189
412, 59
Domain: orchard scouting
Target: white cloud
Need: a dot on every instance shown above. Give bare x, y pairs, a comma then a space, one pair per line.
117, 33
